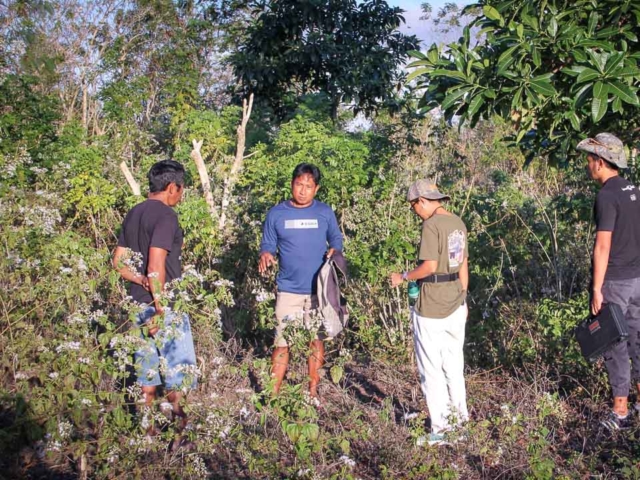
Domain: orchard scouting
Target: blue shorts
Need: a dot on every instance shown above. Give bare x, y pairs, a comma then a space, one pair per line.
169, 353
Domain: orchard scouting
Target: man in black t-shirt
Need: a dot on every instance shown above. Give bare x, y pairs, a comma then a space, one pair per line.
148, 257
616, 263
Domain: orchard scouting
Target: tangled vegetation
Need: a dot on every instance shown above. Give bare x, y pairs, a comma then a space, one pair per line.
69, 406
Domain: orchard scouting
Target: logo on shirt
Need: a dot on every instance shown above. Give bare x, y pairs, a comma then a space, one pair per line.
628, 188
456, 243
301, 223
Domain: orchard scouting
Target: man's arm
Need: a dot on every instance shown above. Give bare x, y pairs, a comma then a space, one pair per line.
425, 269
601, 252
268, 245
127, 273
334, 235
464, 274
157, 273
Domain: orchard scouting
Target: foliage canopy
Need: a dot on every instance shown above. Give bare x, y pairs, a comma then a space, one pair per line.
346, 49
558, 69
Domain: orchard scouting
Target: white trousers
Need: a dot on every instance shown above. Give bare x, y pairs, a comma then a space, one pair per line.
438, 344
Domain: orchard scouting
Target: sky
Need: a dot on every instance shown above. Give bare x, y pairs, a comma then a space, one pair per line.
424, 29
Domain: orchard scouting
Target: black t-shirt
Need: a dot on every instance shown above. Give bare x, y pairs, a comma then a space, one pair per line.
617, 210
152, 224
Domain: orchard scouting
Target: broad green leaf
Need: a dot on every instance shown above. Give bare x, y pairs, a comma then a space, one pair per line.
575, 121
336, 373
491, 13
537, 61
453, 97
624, 92
600, 89
543, 87
416, 54
593, 22
439, 72
520, 31
475, 105
490, 93
418, 72
627, 72
552, 29
616, 105
614, 62
587, 75
598, 108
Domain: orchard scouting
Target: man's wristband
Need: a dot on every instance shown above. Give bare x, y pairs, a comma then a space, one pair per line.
405, 275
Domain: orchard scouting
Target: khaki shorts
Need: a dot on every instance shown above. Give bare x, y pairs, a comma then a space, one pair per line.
297, 308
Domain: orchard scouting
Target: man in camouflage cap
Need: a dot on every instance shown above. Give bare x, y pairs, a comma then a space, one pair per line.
616, 263
440, 314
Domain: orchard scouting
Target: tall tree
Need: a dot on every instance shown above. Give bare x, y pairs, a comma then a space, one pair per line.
559, 69
349, 50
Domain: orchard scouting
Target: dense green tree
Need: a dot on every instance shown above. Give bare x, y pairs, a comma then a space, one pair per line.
558, 69
349, 50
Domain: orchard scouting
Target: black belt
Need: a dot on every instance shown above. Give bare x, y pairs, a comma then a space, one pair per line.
440, 278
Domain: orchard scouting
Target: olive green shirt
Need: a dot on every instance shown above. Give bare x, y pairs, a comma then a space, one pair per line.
444, 239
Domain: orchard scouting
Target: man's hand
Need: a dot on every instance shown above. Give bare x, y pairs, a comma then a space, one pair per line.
266, 260
396, 279
143, 282
596, 301
330, 253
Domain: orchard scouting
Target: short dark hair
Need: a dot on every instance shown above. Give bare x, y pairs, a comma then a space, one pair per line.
163, 173
307, 169
609, 164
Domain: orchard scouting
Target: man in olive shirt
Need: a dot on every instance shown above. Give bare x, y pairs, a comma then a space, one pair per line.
440, 314
616, 264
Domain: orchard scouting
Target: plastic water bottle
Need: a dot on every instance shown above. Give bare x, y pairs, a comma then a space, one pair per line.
413, 290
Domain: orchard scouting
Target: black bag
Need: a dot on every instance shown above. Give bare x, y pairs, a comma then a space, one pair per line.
598, 334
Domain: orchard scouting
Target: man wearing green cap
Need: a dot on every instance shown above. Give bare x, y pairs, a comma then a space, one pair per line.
616, 263
440, 314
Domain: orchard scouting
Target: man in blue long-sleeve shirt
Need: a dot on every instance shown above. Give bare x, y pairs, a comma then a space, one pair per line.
298, 231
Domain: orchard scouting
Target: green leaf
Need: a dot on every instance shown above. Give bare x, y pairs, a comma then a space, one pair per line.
616, 105
593, 22
453, 97
439, 72
587, 75
537, 61
491, 13
598, 108
418, 72
600, 89
475, 105
624, 93
552, 29
542, 86
575, 121
336, 373
520, 31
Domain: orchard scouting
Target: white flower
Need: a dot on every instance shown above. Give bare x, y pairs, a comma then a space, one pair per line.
54, 375
86, 402
410, 416
21, 376
66, 270
68, 346
347, 461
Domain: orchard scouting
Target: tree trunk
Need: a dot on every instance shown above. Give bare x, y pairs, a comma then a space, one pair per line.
204, 176
130, 180
237, 162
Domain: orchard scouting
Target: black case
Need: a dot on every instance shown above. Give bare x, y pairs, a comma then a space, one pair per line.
598, 334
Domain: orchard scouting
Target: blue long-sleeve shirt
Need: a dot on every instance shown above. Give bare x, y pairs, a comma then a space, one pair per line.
300, 237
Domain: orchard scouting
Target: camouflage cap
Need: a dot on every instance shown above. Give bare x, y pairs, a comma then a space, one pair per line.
607, 146
425, 189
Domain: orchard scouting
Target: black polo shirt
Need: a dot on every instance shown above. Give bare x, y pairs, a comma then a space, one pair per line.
617, 210
152, 224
